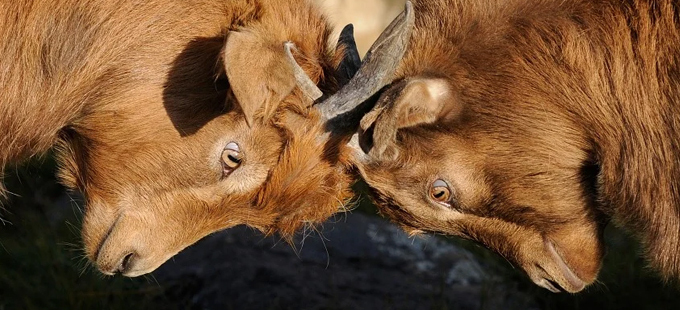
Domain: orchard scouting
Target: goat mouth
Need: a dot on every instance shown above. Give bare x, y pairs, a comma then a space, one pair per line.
550, 285
102, 241
562, 278
573, 280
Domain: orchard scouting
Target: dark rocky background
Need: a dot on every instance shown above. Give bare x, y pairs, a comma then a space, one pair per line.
360, 262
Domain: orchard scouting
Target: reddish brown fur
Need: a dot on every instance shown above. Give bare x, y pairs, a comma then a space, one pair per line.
567, 115
134, 95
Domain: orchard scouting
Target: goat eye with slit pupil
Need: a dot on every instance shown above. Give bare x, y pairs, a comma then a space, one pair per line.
231, 156
441, 194
231, 159
234, 159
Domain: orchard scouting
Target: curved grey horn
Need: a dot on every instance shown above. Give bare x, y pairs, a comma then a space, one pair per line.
377, 70
346, 70
303, 81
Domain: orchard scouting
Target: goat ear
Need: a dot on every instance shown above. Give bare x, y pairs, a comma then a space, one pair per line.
425, 101
406, 104
258, 72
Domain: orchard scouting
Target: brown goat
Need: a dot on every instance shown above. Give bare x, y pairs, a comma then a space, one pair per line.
174, 118
528, 125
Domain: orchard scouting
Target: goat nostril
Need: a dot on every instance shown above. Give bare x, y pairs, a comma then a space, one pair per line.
126, 262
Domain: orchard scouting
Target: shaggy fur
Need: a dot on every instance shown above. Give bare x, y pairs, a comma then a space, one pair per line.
135, 97
566, 116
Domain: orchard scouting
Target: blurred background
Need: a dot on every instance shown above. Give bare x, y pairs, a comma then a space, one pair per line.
369, 17
355, 261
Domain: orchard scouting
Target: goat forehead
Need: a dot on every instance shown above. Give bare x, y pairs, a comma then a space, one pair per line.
458, 166
403, 193
414, 212
495, 233
158, 165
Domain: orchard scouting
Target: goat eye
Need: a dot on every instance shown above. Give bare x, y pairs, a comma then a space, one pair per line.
440, 192
231, 157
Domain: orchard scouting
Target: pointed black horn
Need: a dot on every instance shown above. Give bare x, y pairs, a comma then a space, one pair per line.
352, 61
